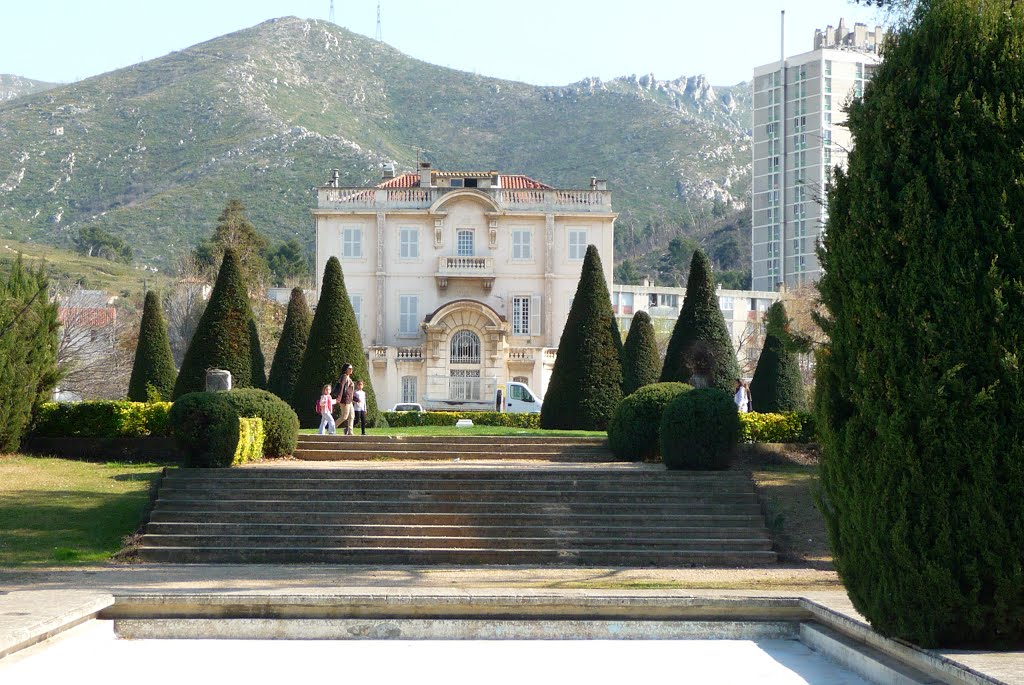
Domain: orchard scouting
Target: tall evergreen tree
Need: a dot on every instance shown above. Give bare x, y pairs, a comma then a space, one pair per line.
700, 341
153, 365
640, 358
586, 382
28, 350
334, 341
235, 231
288, 357
920, 397
225, 337
778, 385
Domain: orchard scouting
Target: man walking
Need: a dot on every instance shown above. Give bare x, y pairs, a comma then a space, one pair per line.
345, 395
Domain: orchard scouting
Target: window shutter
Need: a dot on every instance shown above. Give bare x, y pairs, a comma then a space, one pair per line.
535, 315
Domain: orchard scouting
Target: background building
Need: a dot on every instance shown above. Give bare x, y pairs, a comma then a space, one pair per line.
798, 136
460, 280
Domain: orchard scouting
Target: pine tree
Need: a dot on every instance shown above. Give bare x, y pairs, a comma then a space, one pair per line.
586, 382
235, 231
225, 337
294, 335
640, 358
778, 385
28, 350
920, 394
153, 365
334, 341
700, 343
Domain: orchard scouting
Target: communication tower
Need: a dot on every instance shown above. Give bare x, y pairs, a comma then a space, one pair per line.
379, 35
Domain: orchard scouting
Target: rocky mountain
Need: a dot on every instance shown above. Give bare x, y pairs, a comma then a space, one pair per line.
153, 152
12, 86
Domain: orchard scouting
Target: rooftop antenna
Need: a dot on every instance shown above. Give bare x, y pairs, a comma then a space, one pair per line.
378, 36
330, 17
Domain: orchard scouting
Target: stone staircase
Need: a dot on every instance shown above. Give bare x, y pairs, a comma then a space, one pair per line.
432, 447
543, 514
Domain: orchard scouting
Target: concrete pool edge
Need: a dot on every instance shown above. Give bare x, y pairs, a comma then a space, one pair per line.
841, 637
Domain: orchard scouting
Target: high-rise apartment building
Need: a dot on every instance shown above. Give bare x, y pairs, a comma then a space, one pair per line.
799, 136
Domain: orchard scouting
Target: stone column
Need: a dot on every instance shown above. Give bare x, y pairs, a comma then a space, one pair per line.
549, 280
381, 275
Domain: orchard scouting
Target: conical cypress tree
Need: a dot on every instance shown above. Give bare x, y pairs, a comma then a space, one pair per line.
700, 331
640, 358
154, 364
285, 368
778, 385
920, 399
586, 382
224, 337
259, 362
333, 342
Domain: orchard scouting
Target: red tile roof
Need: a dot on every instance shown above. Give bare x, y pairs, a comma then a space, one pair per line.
521, 182
406, 180
87, 317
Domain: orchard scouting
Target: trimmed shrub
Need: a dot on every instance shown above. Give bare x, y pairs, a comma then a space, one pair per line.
788, 427
225, 336
641, 360
635, 430
280, 424
250, 440
333, 342
206, 429
700, 430
700, 344
448, 418
586, 382
154, 365
288, 357
778, 385
101, 419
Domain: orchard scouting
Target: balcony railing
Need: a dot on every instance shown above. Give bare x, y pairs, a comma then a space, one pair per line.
465, 267
409, 354
521, 354
535, 200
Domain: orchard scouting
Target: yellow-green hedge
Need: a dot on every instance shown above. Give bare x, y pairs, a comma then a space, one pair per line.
101, 419
448, 418
250, 441
788, 427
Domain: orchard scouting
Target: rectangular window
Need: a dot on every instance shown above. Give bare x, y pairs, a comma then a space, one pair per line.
828, 102
828, 67
828, 86
522, 247
860, 70
352, 243
577, 245
858, 89
520, 316
408, 316
357, 309
409, 242
455, 183
408, 388
626, 303
464, 243
828, 156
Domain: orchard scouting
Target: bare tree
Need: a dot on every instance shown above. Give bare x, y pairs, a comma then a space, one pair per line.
94, 351
185, 303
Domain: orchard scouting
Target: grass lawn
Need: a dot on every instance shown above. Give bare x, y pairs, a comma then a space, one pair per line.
470, 430
791, 514
64, 512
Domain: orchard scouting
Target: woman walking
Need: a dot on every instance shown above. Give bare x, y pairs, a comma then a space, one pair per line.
346, 393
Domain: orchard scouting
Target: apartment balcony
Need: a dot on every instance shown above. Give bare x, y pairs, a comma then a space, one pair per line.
465, 268
522, 356
574, 201
409, 354
378, 355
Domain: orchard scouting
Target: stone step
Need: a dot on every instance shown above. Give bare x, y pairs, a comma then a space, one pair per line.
638, 529
417, 494
459, 439
381, 454
455, 557
457, 446
465, 473
477, 507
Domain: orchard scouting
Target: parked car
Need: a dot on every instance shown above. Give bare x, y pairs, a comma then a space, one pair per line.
407, 406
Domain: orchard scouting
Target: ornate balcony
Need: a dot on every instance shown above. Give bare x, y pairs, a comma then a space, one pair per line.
478, 268
378, 355
524, 356
409, 354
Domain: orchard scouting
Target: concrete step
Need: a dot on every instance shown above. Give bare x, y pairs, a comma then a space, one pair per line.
381, 454
199, 514
444, 542
430, 556
637, 529
477, 507
460, 439
450, 446
465, 473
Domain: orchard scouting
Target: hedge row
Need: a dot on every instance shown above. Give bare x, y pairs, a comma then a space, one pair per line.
448, 418
102, 419
788, 427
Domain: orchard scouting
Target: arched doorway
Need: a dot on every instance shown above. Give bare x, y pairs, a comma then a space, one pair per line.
464, 361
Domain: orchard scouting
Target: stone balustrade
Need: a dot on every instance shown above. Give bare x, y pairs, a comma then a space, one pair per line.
533, 200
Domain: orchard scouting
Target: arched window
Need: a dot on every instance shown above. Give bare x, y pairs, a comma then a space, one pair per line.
465, 348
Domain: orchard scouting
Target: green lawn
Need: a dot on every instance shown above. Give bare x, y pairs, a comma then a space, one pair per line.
63, 512
470, 430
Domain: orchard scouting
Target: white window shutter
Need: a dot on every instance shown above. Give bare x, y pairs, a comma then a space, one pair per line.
535, 315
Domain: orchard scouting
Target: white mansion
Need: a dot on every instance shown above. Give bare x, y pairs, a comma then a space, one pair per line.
460, 281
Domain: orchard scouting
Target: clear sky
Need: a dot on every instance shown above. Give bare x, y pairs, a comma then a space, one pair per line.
544, 42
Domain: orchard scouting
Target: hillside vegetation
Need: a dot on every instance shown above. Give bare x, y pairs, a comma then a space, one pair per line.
153, 152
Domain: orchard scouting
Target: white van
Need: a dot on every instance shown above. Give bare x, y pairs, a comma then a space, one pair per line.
516, 398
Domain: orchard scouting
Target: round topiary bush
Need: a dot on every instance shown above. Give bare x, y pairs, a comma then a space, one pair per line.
280, 424
634, 431
205, 427
699, 430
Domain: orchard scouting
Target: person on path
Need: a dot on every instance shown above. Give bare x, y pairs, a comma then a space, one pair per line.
742, 397
346, 393
359, 407
325, 405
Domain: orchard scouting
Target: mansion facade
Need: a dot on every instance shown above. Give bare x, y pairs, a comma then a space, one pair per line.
460, 281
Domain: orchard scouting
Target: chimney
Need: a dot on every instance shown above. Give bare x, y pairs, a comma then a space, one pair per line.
425, 180
335, 178
389, 171
601, 184
593, 182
